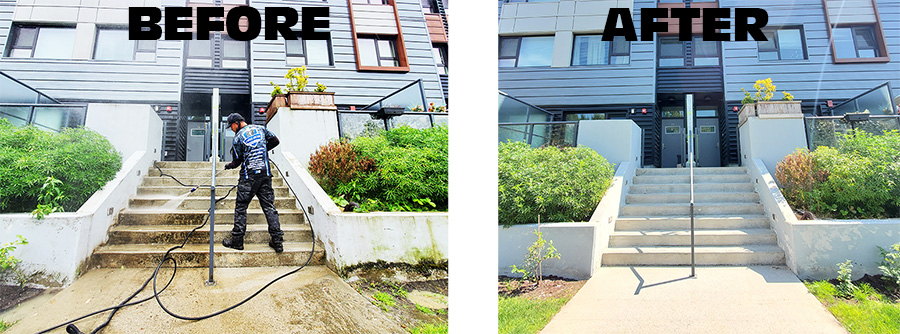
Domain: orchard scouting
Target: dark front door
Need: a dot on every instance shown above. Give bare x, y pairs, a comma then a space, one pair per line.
673, 137
707, 132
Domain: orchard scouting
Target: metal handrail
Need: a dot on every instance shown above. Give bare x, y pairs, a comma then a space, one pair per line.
689, 99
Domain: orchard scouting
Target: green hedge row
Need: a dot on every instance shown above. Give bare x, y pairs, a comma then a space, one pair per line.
82, 159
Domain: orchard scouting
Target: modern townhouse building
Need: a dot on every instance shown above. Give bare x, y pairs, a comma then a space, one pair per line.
824, 52
78, 51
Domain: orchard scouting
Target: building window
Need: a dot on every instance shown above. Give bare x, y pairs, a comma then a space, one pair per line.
440, 57
591, 50
585, 116
378, 51
42, 42
671, 52
783, 44
526, 51
515, 1
113, 44
199, 52
706, 53
234, 53
429, 6
308, 52
855, 42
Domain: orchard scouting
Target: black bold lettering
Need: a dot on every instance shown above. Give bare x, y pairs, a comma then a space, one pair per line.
710, 24
742, 28
627, 29
173, 23
310, 23
685, 22
136, 25
205, 25
273, 27
232, 22
649, 26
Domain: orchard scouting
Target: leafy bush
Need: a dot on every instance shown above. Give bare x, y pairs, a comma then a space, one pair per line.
81, 158
539, 251
890, 263
555, 184
845, 286
858, 178
404, 169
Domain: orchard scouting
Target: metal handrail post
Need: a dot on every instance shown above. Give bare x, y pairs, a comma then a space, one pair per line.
212, 187
689, 108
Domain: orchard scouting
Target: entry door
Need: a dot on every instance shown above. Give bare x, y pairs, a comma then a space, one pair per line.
226, 137
197, 139
673, 140
707, 133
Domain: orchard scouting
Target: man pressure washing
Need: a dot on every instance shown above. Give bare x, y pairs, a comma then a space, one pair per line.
250, 150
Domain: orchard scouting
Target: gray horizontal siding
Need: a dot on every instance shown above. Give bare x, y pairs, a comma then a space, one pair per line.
582, 85
6, 14
351, 87
229, 81
696, 79
816, 78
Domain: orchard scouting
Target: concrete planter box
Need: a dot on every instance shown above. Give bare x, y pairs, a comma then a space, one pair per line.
311, 100
770, 109
277, 101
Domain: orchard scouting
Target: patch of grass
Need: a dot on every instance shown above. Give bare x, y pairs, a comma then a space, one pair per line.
424, 309
4, 325
866, 311
383, 300
429, 329
523, 315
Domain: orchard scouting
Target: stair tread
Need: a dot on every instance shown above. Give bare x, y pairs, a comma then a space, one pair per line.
219, 227
688, 204
163, 198
201, 248
755, 248
703, 232
150, 211
704, 217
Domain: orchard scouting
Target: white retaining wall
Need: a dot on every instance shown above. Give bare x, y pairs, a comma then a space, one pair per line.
59, 244
616, 139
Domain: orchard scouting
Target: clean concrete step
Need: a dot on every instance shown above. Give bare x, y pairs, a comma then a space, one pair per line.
684, 209
705, 197
701, 237
681, 255
197, 255
199, 203
703, 222
687, 171
221, 182
175, 234
162, 191
686, 179
686, 188
196, 217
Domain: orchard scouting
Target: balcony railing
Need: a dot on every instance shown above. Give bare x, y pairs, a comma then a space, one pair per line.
48, 117
827, 130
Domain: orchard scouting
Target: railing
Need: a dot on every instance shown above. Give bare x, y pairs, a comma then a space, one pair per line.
352, 124
827, 130
49, 117
409, 97
690, 132
538, 134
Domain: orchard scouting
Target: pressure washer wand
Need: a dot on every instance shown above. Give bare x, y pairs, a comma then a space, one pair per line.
211, 178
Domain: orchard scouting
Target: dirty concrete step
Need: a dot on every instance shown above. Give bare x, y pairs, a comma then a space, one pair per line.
162, 191
705, 197
684, 209
686, 188
687, 171
194, 172
196, 217
705, 255
701, 237
197, 255
199, 203
189, 164
685, 179
175, 234
624, 223
221, 182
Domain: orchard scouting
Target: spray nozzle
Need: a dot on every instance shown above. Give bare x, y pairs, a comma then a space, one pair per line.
194, 188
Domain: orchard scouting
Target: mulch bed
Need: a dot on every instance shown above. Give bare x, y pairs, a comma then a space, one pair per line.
548, 287
12, 295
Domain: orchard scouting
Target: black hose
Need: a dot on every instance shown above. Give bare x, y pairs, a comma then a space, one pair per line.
72, 329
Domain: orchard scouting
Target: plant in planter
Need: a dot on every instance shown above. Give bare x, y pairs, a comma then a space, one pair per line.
295, 94
760, 103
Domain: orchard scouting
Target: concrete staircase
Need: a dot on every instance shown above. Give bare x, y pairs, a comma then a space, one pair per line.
653, 227
159, 217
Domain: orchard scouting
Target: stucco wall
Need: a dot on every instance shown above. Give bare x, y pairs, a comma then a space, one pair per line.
303, 131
599, 134
771, 139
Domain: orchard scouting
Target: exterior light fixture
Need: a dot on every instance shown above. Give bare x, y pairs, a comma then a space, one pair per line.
829, 103
262, 110
735, 108
168, 108
643, 110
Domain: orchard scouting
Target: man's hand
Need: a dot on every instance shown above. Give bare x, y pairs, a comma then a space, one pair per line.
232, 165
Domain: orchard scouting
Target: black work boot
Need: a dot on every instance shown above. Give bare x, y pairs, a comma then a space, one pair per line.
234, 242
276, 243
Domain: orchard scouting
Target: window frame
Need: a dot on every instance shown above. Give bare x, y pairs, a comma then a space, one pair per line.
853, 39
305, 53
134, 52
519, 50
776, 41
694, 57
442, 49
610, 51
659, 46
877, 29
376, 38
212, 51
398, 43
14, 39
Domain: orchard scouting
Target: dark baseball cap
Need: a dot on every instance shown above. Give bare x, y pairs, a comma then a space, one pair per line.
235, 118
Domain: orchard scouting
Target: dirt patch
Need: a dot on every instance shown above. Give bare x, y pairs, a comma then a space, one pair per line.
883, 284
548, 287
12, 295
393, 297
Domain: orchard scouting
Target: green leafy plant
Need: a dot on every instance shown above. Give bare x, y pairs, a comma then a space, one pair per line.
845, 287
297, 80
81, 159
765, 90
429, 329
337, 163
424, 309
383, 300
799, 174
320, 88
539, 251
49, 199
890, 263
559, 185
9, 263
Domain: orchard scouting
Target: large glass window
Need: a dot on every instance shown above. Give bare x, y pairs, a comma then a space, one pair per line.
199, 52
42, 42
591, 50
378, 51
526, 51
113, 44
856, 42
671, 52
429, 6
234, 53
308, 52
782, 44
440, 57
706, 53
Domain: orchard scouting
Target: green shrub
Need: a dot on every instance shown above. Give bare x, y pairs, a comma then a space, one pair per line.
799, 174
337, 163
890, 263
559, 185
81, 158
409, 173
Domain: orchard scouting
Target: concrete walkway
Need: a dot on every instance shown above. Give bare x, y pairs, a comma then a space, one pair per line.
313, 300
757, 299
